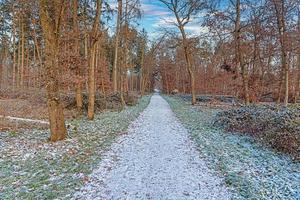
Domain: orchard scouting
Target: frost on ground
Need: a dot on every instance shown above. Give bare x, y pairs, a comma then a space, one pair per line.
251, 169
33, 168
155, 160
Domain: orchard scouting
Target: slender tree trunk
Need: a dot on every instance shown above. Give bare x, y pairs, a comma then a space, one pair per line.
131, 82
92, 57
124, 68
189, 66
35, 79
79, 99
14, 52
142, 71
91, 82
187, 54
280, 15
50, 27
297, 88
19, 52
86, 37
22, 52
285, 70
115, 64
39, 56
2, 61
27, 74
280, 87
238, 51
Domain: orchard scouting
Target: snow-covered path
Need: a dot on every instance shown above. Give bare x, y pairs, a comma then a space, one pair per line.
155, 160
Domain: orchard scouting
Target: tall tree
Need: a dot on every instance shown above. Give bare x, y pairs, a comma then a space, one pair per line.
183, 11
14, 46
143, 71
238, 52
116, 50
280, 12
79, 98
94, 38
51, 15
297, 87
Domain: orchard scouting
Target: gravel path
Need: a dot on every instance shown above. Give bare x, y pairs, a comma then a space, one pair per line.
155, 160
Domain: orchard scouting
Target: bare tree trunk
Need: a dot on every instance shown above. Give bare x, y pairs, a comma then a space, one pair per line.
51, 29
2, 61
258, 66
189, 65
22, 52
297, 82
92, 57
297, 88
285, 72
79, 99
185, 44
123, 68
38, 51
238, 51
142, 72
19, 53
27, 70
14, 51
280, 87
35, 78
91, 82
115, 64
280, 15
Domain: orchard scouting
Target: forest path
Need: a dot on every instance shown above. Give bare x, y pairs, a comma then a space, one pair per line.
155, 160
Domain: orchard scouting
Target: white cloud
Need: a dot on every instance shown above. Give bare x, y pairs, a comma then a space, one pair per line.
193, 27
197, 29
157, 16
153, 10
147, 8
165, 22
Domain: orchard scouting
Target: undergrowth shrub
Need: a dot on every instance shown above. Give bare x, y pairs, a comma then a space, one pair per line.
278, 127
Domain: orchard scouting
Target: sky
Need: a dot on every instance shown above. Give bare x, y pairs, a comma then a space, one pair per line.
156, 16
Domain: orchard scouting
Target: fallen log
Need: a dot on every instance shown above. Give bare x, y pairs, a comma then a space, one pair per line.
24, 119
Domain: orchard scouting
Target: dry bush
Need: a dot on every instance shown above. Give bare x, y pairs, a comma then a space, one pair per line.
278, 127
131, 99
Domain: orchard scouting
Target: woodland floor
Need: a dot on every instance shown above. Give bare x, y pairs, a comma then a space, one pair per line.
170, 150
26, 109
31, 167
250, 169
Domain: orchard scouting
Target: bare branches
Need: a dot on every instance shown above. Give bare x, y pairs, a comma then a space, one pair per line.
183, 12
